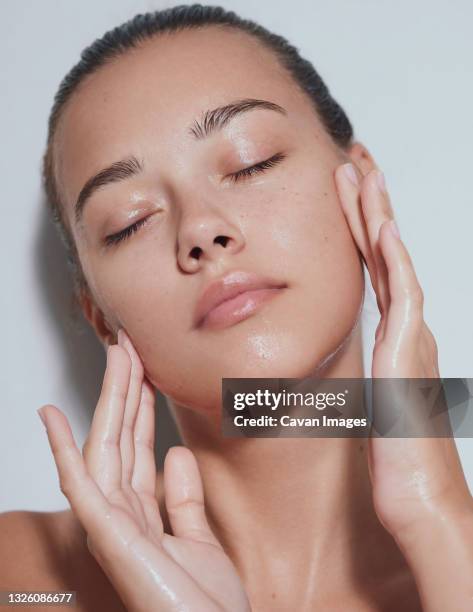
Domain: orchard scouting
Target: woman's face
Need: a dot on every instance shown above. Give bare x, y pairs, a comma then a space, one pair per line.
284, 223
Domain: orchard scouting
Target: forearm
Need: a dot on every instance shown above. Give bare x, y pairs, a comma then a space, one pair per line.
440, 554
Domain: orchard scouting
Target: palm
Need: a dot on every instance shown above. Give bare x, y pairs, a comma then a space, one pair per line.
410, 475
111, 489
216, 579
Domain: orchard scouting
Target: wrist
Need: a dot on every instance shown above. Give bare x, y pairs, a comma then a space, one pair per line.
449, 523
439, 551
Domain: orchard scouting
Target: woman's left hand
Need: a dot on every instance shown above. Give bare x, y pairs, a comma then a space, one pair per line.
419, 488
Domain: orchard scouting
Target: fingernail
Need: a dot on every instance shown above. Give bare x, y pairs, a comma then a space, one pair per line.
120, 337
394, 228
381, 181
41, 415
350, 173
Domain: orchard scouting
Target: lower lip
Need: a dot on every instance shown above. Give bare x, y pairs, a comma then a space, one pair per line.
238, 308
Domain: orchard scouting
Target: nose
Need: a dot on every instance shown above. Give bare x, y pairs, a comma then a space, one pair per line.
206, 237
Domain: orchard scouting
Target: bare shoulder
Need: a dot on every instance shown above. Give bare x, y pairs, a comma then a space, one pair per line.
30, 546
47, 551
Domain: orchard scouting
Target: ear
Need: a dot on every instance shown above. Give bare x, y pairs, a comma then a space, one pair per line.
97, 320
362, 159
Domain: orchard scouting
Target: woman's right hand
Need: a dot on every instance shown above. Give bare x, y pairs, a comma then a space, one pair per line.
111, 488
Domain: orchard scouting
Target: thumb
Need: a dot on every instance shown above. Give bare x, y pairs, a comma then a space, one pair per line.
184, 496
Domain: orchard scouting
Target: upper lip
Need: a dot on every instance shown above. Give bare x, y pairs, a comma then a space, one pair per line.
228, 286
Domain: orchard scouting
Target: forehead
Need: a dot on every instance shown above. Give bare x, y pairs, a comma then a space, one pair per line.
145, 100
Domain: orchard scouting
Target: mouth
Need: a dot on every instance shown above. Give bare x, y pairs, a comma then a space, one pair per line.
233, 298
238, 308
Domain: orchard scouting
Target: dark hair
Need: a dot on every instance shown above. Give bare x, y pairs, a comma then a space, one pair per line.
142, 27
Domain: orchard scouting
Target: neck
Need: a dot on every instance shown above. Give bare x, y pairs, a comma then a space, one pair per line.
296, 511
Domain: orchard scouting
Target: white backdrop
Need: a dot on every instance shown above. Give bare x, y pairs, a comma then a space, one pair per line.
402, 71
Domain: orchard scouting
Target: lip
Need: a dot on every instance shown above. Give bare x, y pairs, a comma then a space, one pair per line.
233, 297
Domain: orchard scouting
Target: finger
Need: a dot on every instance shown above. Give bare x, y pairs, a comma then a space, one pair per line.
85, 497
144, 470
184, 496
377, 210
113, 537
102, 448
405, 317
127, 447
350, 198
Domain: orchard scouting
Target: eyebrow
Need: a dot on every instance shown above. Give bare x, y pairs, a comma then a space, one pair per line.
211, 121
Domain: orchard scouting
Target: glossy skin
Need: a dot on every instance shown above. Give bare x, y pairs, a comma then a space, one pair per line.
305, 222
419, 490
276, 220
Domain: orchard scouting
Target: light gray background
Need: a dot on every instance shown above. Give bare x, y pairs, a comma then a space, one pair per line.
403, 72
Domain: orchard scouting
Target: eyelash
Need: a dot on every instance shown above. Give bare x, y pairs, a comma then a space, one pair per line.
126, 233
261, 167
236, 176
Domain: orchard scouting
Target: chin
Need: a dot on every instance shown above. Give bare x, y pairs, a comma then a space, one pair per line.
272, 349
260, 357
280, 355
280, 342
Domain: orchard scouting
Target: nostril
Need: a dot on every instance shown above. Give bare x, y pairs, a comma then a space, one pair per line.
222, 240
195, 252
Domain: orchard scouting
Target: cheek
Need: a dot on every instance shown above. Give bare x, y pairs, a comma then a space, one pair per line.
140, 292
155, 320
307, 238
323, 257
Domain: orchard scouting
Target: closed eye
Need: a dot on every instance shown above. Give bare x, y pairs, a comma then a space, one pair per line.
260, 167
114, 239
124, 234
